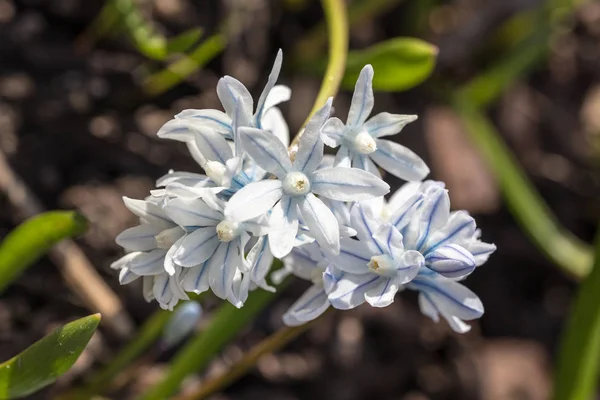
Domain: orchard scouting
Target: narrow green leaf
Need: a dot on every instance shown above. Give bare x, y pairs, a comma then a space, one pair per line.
226, 323
579, 359
183, 42
399, 64
44, 361
33, 238
531, 211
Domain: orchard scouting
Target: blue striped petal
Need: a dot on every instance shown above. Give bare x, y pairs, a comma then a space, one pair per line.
362, 99
231, 91
383, 294
212, 145
213, 119
139, 238
459, 229
177, 129
347, 184
266, 150
322, 224
261, 105
192, 213
353, 258
310, 146
349, 291
451, 261
399, 161
195, 279
385, 124
434, 214
309, 306
197, 247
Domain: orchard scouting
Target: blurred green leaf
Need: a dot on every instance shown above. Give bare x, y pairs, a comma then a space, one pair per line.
579, 358
44, 361
33, 238
399, 64
183, 42
226, 323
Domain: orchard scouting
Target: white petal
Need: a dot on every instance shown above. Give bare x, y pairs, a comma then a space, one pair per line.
274, 122
362, 99
429, 309
266, 150
449, 298
239, 289
261, 105
230, 91
451, 261
353, 257
385, 124
309, 306
347, 184
383, 294
389, 239
366, 224
149, 263
279, 94
260, 260
332, 132
213, 119
188, 178
409, 265
126, 276
192, 213
401, 196
124, 261
284, 216
310, 146
253, 200
195, 279
399, 161
343, 158
181, 189
139, 238
197, 247
170, 266
177, 129
364, 162
402, 213
459, 230
349, 291
434, 214
213, 146
322, 223
195, 152
302, 261
481, 251
148, 211
223, 265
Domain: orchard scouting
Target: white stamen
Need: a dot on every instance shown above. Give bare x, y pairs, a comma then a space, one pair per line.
168, 237
296, 184
383, 265
364, 143
215, 171
228, 230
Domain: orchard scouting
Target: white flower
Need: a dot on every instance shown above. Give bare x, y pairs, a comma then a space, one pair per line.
296, 185
149, 243
359, 139
443, 296
211, 251
374, 267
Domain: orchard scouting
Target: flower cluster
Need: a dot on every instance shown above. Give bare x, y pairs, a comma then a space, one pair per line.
324, 216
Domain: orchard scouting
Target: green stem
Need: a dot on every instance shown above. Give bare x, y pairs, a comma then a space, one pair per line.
272, 343
337, 27
530, 210
579, 358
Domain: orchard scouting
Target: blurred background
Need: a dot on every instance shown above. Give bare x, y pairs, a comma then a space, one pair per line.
81, 101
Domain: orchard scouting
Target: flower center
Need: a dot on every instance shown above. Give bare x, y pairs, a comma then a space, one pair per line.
215, 171
382, 265
296, 184
168, 237
228, 230
364, 143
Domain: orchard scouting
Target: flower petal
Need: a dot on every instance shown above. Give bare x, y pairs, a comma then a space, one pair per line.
353, 257
148, 212
385, 124
148, 263
349, 291
364, 163
278, 94
402, 213
333, 132
362, 99
366, 224
230, 91
126, 276
451, 261
309, 306
459, 230
188, 178
266, 150
197, 247
399, 161
260, 260
195, 279
389, 239
310, 146
139, 238
322, 223
260, 106
177, 129
274, 122
434, 214
481, 251
223, 266
212, 145
213, 119
253, 200
284, 217
383, 294
192, 213
343, 158
347, 184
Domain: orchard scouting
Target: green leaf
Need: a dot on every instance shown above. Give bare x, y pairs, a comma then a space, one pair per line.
33, 238
579, 358
183, 42
44, 361
399, 64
